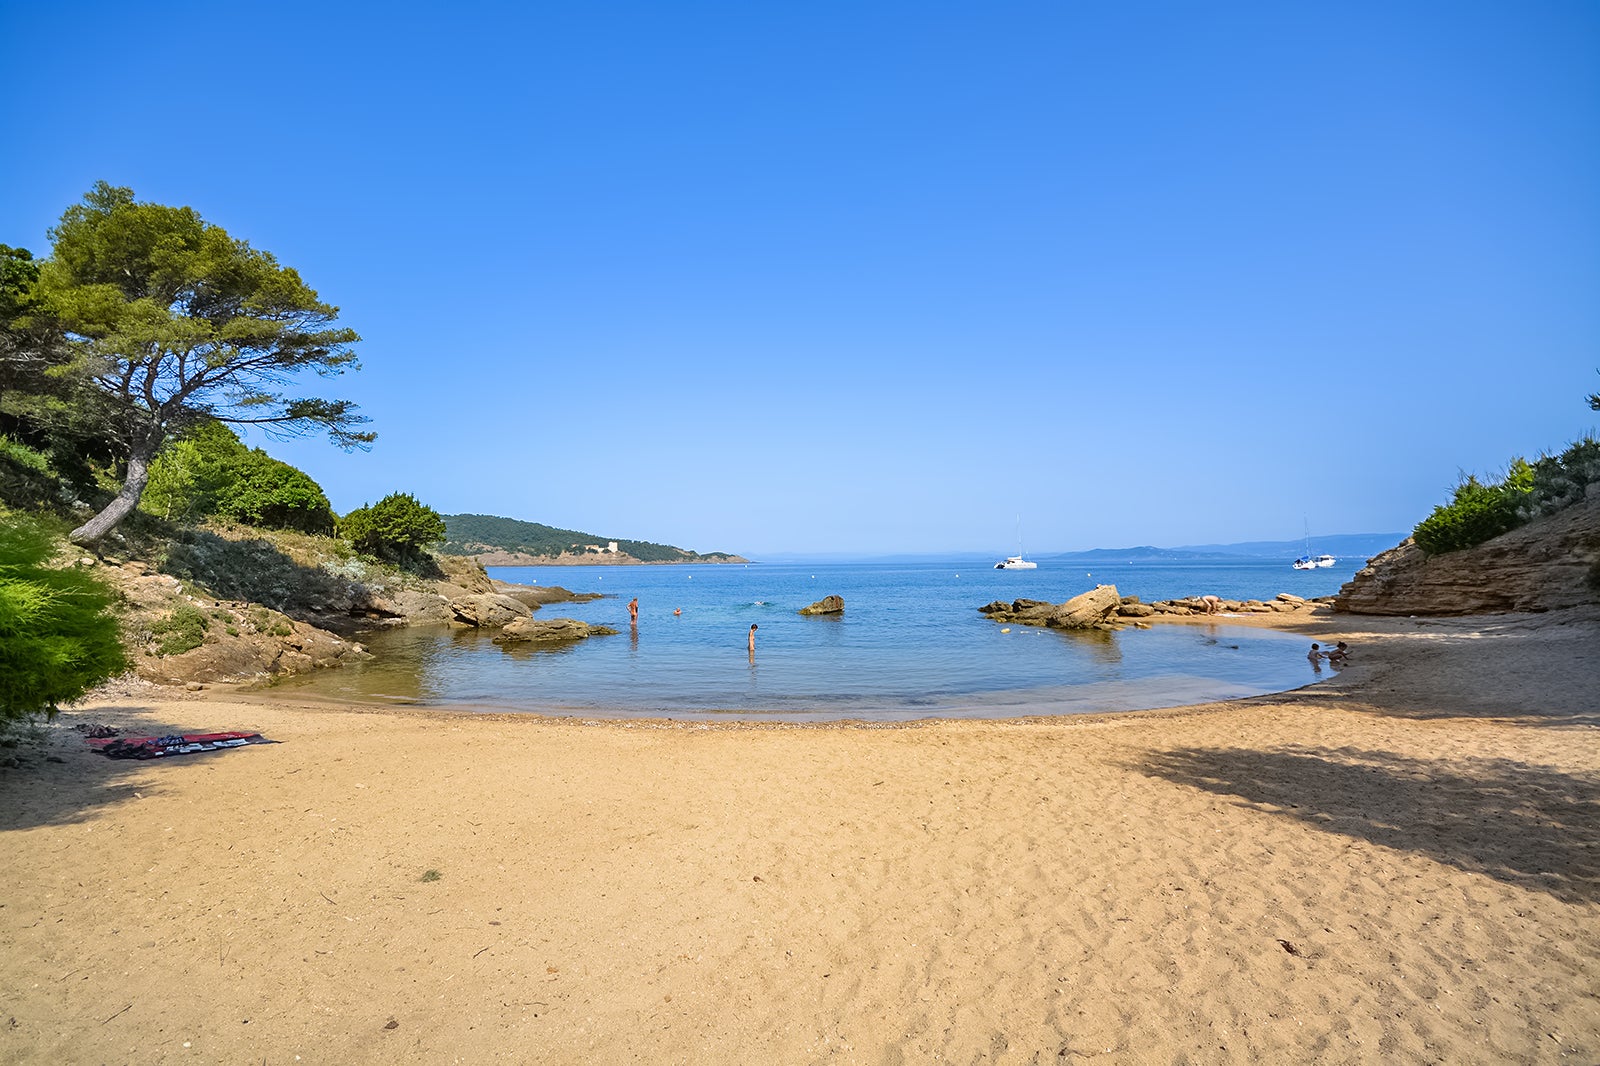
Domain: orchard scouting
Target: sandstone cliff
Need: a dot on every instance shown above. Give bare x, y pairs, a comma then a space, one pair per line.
1549, 564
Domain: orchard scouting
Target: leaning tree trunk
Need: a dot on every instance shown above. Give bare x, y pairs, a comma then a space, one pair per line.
93, 531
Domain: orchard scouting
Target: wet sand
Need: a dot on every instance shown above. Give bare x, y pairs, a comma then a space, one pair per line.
1399, 864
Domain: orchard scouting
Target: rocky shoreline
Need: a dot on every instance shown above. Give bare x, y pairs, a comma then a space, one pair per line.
1103, 608
226, 605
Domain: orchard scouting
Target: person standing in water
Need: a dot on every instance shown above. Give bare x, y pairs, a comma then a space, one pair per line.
633, 612
752, 640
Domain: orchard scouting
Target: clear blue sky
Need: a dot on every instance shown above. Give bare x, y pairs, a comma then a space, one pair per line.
881, 277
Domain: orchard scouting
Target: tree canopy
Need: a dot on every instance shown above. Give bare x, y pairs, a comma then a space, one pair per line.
175, 321
210, 471
398, 527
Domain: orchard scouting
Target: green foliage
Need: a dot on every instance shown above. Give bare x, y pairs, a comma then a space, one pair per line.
1560, 481
169, 318
398, 528
1480, 511
211, 472
468, 534
20, 455
1476, 513
183, 629
261, 491
57, 636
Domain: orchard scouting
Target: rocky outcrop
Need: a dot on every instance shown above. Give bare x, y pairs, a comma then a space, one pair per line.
826, 605
1102, 608
1549, 564
1089, 610
487, 609
238, 642
554, 630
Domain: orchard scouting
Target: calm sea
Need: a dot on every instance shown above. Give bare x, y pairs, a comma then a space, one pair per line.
910, 644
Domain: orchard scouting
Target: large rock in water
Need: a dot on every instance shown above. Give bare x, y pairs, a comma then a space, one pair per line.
826, 605
1097, 607
1546, 565
1087, 610
552, 631
488, 609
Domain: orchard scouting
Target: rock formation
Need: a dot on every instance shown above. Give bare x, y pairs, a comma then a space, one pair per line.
1549, 564
1089, 610
488, 609
555, 630
1102, 608
826, 605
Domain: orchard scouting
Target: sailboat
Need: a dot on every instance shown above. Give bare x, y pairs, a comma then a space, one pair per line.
1312, 562
1016, 562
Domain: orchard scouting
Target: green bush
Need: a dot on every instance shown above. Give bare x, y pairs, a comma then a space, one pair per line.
57, 636
261, 491
183, 629
211, 472
1477, 513
1560, 481
398, 528
19, 454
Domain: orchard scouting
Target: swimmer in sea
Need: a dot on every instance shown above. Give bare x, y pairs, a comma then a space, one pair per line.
752, 640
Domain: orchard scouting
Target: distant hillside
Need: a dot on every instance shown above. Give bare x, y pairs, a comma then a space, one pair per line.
1345, 546
481, 534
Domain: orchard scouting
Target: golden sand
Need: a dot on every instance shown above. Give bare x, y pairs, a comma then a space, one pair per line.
1401, 864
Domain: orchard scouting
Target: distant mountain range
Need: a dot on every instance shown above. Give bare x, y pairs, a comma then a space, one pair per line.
477, 534
1343, 546
1346, 547
481, 534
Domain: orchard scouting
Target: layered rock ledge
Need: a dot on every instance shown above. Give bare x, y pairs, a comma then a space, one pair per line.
1550, 564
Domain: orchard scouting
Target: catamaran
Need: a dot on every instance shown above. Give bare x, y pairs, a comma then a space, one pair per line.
1016, 562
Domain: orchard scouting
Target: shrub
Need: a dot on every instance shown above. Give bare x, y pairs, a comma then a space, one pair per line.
184, 629
211, 472
1477, 513
262, 491
19, 454
398, 528
57, 636
1561, 481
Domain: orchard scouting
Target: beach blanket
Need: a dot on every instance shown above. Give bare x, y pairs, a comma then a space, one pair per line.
177, 744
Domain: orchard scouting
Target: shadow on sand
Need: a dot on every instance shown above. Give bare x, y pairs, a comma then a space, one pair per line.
61, 780
1523, 824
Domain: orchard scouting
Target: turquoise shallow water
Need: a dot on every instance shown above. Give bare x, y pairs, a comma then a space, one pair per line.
910, 644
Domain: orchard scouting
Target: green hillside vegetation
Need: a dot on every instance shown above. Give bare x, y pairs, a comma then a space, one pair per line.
209, 472
1481, 510
471, 534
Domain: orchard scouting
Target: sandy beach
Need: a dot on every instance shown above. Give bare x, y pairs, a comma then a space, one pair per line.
1398, 864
